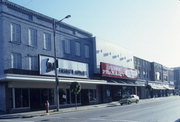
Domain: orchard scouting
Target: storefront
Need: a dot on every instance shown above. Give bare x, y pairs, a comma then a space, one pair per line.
160, 89
28, 91
121, 81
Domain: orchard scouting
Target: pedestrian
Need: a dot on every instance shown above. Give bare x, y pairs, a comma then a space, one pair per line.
47, 106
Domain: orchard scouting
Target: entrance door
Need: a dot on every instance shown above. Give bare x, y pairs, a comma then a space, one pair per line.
35, 100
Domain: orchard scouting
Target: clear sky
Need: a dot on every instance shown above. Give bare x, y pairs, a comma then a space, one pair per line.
148, 28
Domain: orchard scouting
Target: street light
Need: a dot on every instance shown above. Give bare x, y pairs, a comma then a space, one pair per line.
55, 60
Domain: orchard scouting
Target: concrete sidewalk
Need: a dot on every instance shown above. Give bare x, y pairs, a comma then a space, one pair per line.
71, 109
61, 110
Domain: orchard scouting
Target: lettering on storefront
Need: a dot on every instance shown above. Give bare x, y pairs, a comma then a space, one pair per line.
65, 68
110, 70
72, 72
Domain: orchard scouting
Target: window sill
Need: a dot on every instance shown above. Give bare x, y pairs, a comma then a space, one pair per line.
46, 49
32, 46
13, 42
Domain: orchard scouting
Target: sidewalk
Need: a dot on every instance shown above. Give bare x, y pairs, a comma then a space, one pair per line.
71, 109
61, 110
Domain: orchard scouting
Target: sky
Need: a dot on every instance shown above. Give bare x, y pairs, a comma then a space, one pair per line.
148, 28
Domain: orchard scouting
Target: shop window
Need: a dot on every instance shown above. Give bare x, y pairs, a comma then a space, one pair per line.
51, 96
21, 98
47, 94
73, 98
66, 97
62, 96
92, 95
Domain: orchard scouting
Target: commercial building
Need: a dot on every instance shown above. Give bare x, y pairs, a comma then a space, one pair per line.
159, 79
27, 61
177, 77
116, 66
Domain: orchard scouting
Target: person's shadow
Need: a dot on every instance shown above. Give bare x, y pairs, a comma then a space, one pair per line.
178, 120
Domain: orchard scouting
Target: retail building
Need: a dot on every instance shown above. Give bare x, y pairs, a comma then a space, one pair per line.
27, 61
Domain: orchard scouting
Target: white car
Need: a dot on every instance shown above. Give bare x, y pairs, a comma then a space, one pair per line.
129, 99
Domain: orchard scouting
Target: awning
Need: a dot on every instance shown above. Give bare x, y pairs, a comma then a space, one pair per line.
33, 78
168, 87
156, 86
122, 83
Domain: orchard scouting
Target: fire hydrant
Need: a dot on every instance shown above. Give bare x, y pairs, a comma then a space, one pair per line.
47, 106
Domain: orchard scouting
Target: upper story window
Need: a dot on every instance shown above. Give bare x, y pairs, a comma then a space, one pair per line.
33, 63
15, 33
77, 49
32, 37
47, 41
16, 61
86, 48
66, 46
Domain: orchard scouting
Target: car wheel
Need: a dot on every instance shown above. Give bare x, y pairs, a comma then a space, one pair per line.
121, 103
137, 101
129, 102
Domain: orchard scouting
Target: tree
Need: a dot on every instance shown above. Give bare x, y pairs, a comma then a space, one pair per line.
75, 88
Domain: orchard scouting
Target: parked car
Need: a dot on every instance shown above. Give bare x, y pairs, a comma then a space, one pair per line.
129, 99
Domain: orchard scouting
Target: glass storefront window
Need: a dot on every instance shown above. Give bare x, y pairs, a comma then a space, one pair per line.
51, 96
18, 98
62, 96
92, 95
21, 97
66, 97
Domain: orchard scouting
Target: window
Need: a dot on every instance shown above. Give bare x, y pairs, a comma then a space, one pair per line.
47, 41
66, 46
16, 60
87, 55
77, 49
33, 63
92, 95
32, 37
15, 33
21, 97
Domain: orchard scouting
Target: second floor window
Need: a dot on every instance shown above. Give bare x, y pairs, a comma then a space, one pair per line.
33, 63
15, 33
86, 48
77, 49
16, 61
66, 46
47, 41
32, 37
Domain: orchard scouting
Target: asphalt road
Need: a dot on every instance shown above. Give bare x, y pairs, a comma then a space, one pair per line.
153, 110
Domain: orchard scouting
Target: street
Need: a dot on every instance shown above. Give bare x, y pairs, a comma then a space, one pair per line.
165, 109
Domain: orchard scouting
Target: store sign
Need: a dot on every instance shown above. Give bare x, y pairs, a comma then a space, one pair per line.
110, 70
64, 67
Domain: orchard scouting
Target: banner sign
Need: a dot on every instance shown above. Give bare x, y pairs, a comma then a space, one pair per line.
110, 70
64, 67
